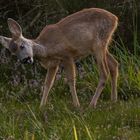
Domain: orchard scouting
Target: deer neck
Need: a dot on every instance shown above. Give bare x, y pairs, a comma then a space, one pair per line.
39, 50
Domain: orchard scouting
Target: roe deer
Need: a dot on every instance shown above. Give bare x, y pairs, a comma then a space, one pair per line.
87, 32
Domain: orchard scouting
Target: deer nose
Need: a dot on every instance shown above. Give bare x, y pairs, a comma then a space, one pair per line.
28, 60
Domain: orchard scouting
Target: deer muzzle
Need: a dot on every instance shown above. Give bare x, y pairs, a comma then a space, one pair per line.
27, 60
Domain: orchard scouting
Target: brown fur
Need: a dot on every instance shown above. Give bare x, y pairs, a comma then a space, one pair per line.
78, 35
86, 32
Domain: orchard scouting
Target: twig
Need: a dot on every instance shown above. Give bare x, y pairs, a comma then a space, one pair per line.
35, 19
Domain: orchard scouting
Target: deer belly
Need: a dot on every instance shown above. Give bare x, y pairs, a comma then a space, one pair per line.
76, 52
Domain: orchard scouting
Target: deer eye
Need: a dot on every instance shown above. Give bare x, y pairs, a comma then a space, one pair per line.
22, 46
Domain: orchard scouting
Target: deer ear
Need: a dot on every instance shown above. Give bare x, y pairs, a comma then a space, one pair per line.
14, 28
5, 41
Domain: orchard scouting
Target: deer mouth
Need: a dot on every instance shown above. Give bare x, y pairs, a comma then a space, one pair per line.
27, 60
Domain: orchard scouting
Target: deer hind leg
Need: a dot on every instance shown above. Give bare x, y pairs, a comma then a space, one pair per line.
69, 68
100, 55
113, 68
48, 84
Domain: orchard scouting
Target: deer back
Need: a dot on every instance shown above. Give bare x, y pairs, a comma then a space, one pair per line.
78, 34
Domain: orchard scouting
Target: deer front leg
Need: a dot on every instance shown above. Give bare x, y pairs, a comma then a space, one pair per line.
69, 68
48, 84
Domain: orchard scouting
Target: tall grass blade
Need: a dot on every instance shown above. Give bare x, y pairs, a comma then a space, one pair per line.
88, 133
75, 133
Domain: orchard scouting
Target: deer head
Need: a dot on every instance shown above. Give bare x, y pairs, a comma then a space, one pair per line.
18, 45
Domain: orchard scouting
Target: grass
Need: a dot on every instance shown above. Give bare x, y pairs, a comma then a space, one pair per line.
61, 121
20, 117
